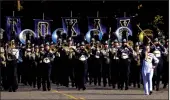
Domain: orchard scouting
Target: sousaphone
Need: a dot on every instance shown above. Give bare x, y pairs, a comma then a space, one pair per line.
57, 34
95, 33
23, 35
123, 33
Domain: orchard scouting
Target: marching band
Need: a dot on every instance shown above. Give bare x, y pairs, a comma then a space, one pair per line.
116, 65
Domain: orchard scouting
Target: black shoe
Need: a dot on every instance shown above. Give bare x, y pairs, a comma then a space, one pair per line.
99, 84
84, 88
121, 88
10, 90
126, 88
44, 89
153, 87
157, 89
164, 86
113, 86
150, 92
79, 89
72, 85
34, 86
134, 85
49, 89
14, 90
138, 85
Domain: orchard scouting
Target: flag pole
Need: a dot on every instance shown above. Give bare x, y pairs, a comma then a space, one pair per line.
43, 15
97, 14
13, 13
71, 14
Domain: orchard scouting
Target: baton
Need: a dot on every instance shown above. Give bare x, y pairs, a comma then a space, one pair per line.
146, 36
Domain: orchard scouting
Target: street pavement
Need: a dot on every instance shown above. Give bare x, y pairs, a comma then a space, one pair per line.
92, 92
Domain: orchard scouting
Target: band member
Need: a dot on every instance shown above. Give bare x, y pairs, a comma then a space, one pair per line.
12, 57
3, 85
114, 63
148, 69
105, 64
97, 66
158, 50
71, 61
34, 63
124, 53
40, 66
64, 65
46, 68
165, 76
136, 66
20, 63
27, 65
53, 74
57, 66
81, 69
91, 60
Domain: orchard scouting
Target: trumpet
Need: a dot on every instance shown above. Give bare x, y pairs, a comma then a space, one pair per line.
3, 59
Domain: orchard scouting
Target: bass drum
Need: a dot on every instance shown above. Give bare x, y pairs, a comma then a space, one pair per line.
24, 33
123, 32
88, 35
57, 33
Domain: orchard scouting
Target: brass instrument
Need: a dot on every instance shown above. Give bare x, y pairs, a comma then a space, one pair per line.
137, 57
2, 55
28, 53
71, 52
33, 55
114, 52
119, 33
37, 54
10, 51
41, 57
130, 43
23, 36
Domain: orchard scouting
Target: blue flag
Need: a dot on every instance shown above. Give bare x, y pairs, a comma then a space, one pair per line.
97, 26
124, 22
13, 27
70, 26
42, 27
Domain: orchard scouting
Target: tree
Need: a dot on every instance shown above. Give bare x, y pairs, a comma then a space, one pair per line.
158, 20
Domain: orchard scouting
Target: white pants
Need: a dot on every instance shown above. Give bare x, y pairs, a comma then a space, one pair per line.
147, 81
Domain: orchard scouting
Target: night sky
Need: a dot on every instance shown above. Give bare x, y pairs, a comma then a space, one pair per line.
54, 10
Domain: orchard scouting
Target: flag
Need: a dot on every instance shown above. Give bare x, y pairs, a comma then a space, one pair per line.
13, 24
70, 26
96, 26
42, 27
124, 22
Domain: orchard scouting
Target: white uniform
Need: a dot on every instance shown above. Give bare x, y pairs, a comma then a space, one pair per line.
147, 72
